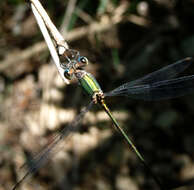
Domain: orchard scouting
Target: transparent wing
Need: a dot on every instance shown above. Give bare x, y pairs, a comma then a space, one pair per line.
164, 73
157, 91
39, 160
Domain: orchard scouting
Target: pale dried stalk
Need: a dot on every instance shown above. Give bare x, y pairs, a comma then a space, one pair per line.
53, 30
51, 46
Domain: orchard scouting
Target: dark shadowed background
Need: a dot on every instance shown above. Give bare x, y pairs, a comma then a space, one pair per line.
123, 41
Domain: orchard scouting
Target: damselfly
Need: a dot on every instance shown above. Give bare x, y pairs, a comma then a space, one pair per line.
158, 85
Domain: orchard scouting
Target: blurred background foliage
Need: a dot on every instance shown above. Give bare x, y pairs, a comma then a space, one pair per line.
132, 38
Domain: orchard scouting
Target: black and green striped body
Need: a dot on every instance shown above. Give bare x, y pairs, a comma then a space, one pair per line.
91, 86
88, 83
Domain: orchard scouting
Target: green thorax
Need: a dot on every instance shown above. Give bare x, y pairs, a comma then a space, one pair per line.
88, 82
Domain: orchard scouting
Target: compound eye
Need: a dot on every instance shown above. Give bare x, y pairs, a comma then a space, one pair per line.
67, 74
83, 60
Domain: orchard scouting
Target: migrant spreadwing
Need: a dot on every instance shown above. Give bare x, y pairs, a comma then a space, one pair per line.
158, 85
155, 86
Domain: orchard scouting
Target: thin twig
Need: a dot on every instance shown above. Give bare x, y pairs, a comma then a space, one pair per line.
67, 17
84, 16
18, 59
